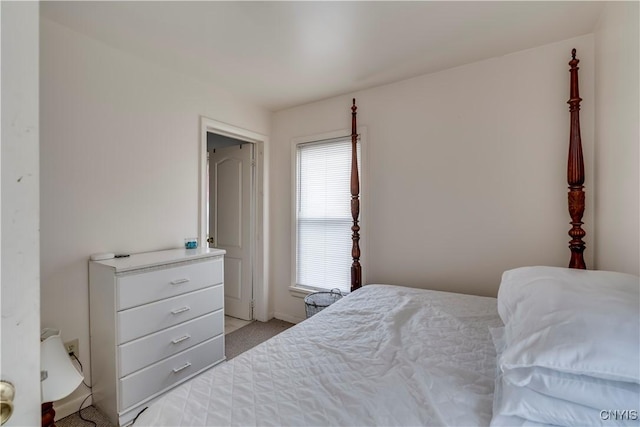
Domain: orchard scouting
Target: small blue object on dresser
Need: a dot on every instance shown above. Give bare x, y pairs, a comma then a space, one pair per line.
191, 243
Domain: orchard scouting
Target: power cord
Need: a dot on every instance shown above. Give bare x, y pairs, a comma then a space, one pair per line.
80, 412
139, 413
72, 354
90, 392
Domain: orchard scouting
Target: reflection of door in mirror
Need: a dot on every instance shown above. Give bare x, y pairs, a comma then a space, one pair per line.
230, 218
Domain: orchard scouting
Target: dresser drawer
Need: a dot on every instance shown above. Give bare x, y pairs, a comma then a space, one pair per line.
142, 288
164, 374
152, 348
139, 321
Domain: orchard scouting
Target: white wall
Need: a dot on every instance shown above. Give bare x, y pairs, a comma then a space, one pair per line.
20, 358
467, 172
119, 165
617, 138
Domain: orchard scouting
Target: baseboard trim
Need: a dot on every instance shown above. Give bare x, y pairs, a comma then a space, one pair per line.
71, 407
261, 319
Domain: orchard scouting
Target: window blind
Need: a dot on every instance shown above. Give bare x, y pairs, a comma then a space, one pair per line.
323, 220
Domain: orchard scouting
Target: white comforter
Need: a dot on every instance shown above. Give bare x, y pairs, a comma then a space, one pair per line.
385, 355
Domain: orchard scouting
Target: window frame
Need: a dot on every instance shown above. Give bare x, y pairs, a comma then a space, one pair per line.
294, 288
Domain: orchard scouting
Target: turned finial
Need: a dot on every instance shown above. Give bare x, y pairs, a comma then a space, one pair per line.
574, 61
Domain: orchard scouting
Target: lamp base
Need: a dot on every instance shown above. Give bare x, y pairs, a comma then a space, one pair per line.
48, 415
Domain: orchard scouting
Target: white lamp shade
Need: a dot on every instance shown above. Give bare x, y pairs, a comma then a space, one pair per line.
62, 377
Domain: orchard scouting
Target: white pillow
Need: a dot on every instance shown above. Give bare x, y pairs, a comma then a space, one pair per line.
583, 390
500, 419
524, 403
518, 405
578, 322
509, 421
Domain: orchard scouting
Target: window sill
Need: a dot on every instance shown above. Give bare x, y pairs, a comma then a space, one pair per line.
299, 292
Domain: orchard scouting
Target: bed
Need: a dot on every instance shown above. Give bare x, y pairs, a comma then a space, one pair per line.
330, 370
557, 347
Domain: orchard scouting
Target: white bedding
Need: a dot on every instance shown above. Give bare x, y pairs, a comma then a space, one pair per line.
384, 355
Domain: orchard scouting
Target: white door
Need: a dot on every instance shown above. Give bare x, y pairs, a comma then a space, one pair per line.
19, 212
230, 213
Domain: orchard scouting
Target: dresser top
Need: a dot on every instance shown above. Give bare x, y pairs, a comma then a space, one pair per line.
152, 259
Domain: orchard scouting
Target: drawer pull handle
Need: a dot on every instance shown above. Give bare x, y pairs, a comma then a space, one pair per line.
177, 340
185, 366
179, 281
181, 310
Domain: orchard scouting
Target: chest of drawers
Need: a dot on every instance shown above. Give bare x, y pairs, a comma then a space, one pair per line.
157, 319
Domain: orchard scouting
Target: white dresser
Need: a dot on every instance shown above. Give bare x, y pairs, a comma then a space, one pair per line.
157, 319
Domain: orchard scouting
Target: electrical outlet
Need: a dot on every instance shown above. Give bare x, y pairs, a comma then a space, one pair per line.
72, 347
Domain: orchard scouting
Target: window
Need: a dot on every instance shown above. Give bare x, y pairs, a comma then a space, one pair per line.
323, 214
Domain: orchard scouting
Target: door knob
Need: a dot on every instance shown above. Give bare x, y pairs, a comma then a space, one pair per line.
7, 393
210, 240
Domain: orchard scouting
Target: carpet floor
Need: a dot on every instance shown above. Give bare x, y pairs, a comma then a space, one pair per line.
91, 413
241, 340
237, 342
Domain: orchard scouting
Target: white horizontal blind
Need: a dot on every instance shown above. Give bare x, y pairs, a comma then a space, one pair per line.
323, 223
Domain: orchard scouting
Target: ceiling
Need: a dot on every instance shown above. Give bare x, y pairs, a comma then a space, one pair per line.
281, 54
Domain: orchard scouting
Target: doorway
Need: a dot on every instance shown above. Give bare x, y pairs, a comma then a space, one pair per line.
231, 213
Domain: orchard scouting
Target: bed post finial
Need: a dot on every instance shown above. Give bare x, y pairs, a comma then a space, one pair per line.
356, 268
575, 171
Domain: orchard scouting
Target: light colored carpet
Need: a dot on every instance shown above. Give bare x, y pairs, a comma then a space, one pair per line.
237, 342
90, 413
241, 340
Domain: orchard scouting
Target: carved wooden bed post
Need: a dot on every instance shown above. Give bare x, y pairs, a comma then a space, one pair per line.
356, 268
575, 171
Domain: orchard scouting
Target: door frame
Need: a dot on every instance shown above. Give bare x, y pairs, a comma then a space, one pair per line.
259, 217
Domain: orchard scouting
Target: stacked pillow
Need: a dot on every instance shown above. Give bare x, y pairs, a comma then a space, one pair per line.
569, 353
